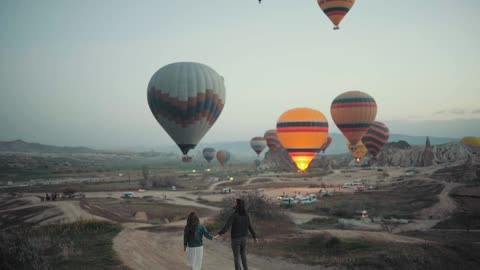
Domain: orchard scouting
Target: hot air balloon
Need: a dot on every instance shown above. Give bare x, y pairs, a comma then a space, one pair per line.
208, 153
272, 139
376, 137
353, 112
258, 144
186, 99
223, 156
336, 9
302, 131
326, 144
471, 141
357, 151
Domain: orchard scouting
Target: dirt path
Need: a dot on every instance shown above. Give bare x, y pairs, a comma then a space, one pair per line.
301, 218
445, 205
429, 217
143, 250
214, 185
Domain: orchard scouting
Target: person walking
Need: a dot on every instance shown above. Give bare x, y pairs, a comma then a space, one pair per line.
193, 240
239, 221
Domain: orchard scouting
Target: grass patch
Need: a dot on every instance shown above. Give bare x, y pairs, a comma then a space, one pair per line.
261, 181
319, 223
210, 203
361, 254
399, 200
124, 210
80, 245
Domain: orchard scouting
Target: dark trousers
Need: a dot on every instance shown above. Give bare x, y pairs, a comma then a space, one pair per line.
239, 246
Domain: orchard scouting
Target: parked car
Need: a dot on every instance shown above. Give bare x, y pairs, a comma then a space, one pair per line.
127, 195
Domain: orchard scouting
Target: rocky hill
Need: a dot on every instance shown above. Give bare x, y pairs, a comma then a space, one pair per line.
20, 146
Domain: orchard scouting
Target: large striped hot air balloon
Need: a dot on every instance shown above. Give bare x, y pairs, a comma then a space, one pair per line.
336, 9
358, 150
376, 137
326, 144
272, 139
186, 99
258, 144
223, 156
208, 153
302, 131
353, 112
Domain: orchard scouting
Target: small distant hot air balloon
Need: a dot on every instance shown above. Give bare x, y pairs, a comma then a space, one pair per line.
353, 112
258, 144
336, 10
208, 153
186, 99
223, 156
272, 139
376, 137
302, 131
357, 151
326, 144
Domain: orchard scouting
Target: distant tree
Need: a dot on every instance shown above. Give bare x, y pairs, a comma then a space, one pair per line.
68, 192
145, 172
143, 183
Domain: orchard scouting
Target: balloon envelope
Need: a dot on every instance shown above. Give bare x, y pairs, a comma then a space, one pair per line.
353, 112
258, 144
186, 99
223, 156
471, 141
336, 9
326, 144
302, 131
272, 139
358, 150
376, 137
208, 153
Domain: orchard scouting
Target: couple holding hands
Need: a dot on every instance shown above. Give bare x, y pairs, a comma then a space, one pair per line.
239, 221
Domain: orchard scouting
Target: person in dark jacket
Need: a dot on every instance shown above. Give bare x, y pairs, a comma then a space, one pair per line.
193, 240
239, 221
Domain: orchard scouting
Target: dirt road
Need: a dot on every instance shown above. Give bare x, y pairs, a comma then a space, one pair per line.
143, 250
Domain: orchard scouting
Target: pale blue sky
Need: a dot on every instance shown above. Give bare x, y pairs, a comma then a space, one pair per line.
75, 72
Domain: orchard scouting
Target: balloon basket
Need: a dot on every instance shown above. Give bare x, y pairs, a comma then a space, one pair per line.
336, 28
187, 159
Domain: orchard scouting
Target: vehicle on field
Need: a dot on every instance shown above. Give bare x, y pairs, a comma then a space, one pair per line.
127, 195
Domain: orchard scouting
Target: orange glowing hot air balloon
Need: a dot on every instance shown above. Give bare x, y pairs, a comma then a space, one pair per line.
358, 150
302, 131
353, 112
336, 10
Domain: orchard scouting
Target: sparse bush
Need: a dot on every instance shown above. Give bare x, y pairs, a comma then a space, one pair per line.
85, 243
68, 192
333, 243
342, 213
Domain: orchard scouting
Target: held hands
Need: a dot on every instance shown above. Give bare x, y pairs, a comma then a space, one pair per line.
216, 237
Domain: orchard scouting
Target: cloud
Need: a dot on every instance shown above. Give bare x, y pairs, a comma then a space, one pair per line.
456, 111
440, 112
477, 111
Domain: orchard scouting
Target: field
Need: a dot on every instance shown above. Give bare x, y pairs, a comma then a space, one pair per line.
400, 233
398, 200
